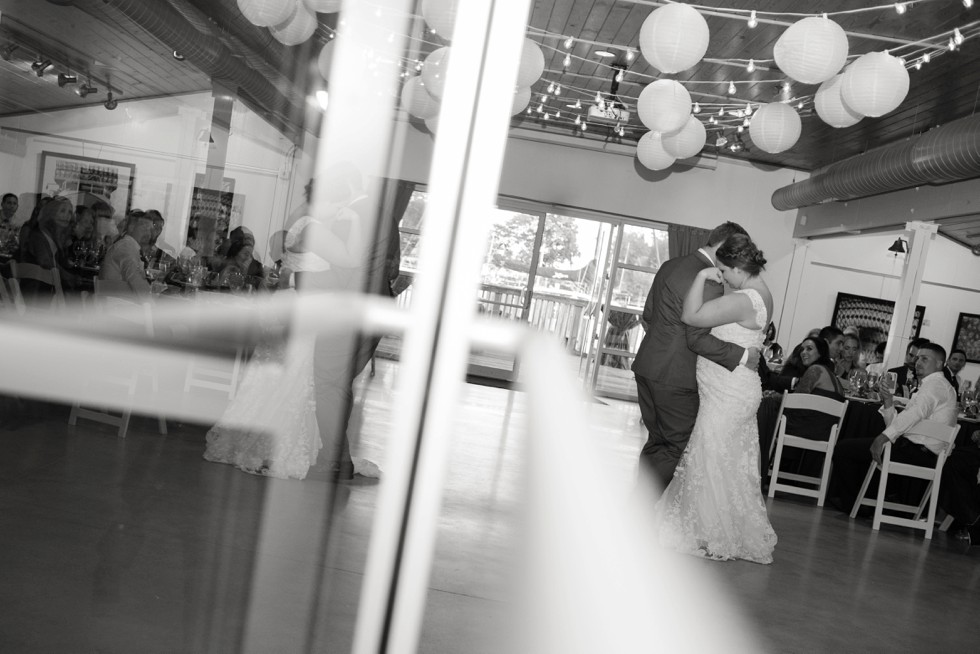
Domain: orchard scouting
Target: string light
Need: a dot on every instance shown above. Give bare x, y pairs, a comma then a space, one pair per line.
585, 126
952, 45
900, 8
569, 42
748, 109
926, 58
558, 89
957, 36
567, 61
721, 111
598, 97
967, 3
619, 76
578, 120
712, 120
753, 21
751, 66
697, 108
918, 65
529, 111
578, 104
558, 114
787, 87
740, 129
551, 88
799, 105
546, 116
630, 55
731, 88
746, 122
418, 64
540, 108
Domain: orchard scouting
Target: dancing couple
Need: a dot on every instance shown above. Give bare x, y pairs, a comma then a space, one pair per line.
699, 389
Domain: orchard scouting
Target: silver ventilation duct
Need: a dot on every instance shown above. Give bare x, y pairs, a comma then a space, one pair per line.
949, 153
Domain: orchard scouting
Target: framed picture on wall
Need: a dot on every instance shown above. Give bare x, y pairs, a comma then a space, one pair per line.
871, 316
87, 180
967, 336
212, 211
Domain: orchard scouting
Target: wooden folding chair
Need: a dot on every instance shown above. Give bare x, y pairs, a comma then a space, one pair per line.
931, 429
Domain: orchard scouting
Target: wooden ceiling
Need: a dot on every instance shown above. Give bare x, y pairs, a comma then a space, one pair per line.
93, 40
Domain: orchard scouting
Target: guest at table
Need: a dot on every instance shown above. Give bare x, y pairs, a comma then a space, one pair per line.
240, 264
791, 370
907, 371
955, 363
877, 367
959, 490
850, 355
122, 261
43, 243
106, 230
157, 254
935, 400
835, 341
31, 223
9, 227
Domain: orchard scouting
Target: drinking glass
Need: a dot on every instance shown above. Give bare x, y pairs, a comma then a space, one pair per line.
890, 381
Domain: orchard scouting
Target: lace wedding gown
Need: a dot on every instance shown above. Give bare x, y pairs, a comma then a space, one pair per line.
270, 427
713, 507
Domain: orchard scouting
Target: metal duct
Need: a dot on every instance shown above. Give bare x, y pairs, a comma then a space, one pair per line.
945, 154
207, 53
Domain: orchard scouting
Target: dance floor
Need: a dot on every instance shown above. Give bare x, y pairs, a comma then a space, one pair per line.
139, 545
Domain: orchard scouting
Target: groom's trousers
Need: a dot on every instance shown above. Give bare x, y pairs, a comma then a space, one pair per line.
668, 413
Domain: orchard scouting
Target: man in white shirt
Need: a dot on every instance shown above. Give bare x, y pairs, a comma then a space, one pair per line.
935, 400
122, 261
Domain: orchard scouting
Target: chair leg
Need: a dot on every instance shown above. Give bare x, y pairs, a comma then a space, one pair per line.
922, 504
947, 523
124, 423
73, 416
864, 490
933, 501
775, 467
828, 463
880, 503
162, 425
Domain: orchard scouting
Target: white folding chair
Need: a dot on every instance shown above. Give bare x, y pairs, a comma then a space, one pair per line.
115, 299
783, 440
931, 429
22, 271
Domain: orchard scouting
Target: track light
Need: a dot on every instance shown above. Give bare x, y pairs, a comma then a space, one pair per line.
40, 66
85, 89
110, 103
66, 79
8, 50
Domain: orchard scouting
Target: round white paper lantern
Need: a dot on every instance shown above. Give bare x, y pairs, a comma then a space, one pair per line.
532, 64
323, 6
432, 124
687, 142
674, 38
775, 127
297, 29
875, 84
650, 151
417, 101
830, 105
266, 13
811, 50
522, 98
434, 71
664, 105
440, 15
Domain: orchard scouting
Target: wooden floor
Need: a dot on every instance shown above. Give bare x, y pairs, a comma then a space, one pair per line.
139, 545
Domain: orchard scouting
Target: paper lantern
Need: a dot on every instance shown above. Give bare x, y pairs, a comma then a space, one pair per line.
434, 71
775, 127
687, 142
811, 50
875, 84
440, 15
664, 105
323, 6
522, 98
674, 38
297, 29
266, 13
432, 124
532, 64
830, 105
650, 151
417, 101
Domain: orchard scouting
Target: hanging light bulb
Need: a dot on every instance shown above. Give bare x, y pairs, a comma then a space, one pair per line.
598, 97
712, 120
957, 36
967, 3
558, 114
567, 61
753, 21
697, 108
900, 8
551, 88
918, 65
748, 108
602, 105
721, 111
578, 104
540, 108
578, 120
630, 55
585, 126
418, 64
731, 88
619, 76
569, 42
740, 129
529, 111
558, 89
746, 122
751, 66
546, 116
799, 105
951, 45
787, 87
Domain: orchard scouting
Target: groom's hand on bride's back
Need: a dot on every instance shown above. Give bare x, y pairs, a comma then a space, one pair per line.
752, 361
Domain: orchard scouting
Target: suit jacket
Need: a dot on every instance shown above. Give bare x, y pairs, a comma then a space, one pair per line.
669, 349
951, 378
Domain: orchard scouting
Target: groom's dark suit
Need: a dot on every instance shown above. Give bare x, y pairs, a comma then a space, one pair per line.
665, 363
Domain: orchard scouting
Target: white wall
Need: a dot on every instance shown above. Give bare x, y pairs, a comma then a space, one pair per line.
167, 140
615, 183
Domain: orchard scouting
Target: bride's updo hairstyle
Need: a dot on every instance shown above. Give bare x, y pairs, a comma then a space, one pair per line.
738, 251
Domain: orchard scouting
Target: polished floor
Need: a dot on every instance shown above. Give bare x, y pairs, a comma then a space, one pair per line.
139, 545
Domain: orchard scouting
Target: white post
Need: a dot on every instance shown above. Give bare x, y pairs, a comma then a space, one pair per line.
921, 236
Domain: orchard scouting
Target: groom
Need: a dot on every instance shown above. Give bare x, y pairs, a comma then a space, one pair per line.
665, 362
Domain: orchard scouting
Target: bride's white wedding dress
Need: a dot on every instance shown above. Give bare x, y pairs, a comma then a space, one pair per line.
713, 507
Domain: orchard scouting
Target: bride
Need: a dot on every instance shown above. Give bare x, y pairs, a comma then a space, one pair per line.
714, 507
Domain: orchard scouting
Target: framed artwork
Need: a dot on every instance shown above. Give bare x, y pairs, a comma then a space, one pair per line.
871, 316
86, 180
967, 336
212, 213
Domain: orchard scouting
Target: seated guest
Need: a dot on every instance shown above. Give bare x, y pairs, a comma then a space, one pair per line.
43, 243
877, 367
835, 341
122, 262
904, 372
959, 490
792, 370
240, 261
9, 226
31, 223
957, 359
935, 400
850, 356
106, 230
157, 254
82, 227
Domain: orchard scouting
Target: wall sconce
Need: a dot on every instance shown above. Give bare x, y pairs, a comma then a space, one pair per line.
898, 247
8, 50
85, 89
110, 103
64, 79
40, 66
